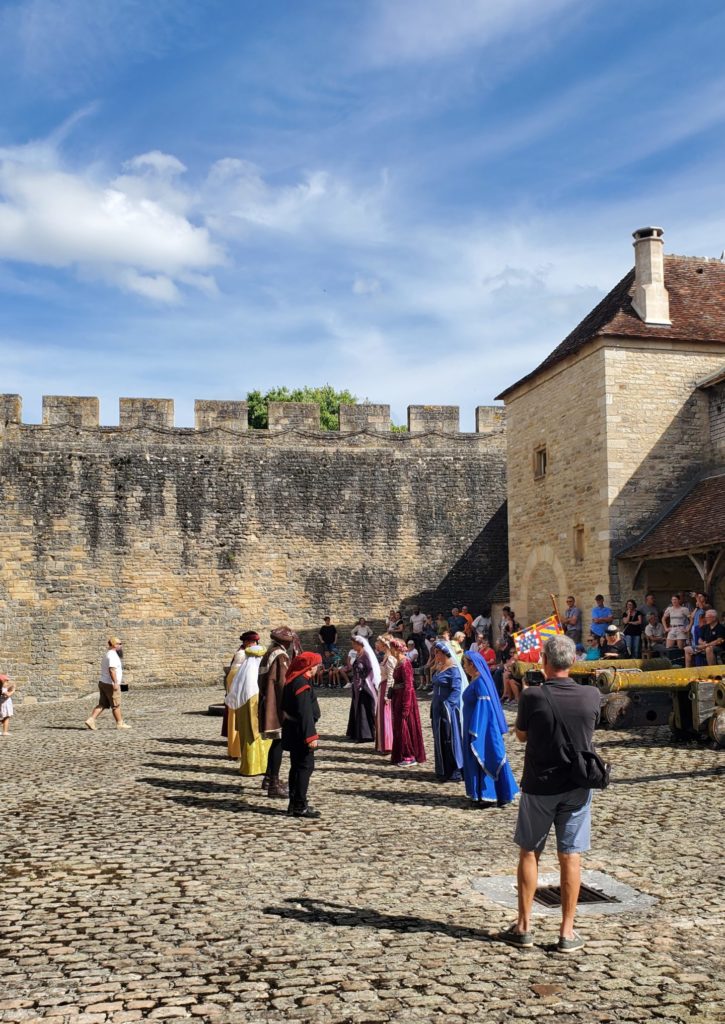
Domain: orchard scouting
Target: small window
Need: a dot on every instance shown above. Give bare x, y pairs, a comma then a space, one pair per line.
578, 543
540, 462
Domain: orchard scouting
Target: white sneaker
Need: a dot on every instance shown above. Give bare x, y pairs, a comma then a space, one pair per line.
90, 723
122, 725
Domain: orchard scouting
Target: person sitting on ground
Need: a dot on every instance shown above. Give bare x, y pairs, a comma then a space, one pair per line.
412, 653
456, 622
362, 629
441, 624
511, 686
614, 645
594, 651
654, 635
710, 644
338, 673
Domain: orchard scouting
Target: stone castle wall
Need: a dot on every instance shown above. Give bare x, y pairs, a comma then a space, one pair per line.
178, 539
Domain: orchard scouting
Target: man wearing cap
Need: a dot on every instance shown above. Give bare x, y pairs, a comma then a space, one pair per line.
109, 687
272, 672
614, 645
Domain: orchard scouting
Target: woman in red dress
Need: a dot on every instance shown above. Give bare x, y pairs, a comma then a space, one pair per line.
408, 747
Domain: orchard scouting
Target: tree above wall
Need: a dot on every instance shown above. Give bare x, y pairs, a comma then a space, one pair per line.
326, 397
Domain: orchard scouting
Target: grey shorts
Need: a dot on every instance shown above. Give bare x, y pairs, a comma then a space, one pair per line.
570, 814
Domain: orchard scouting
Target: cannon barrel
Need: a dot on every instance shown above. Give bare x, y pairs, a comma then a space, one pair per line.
670, 679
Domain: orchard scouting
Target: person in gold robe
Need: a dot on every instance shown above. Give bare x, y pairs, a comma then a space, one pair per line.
229, 725
243, 698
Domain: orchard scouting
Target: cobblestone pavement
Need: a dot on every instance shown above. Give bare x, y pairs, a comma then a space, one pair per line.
144, 879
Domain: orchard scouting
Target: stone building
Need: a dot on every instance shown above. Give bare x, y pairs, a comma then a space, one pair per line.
178, 539
616, 444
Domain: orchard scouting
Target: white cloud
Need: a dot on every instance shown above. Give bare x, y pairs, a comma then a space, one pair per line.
418, 30
119, 230
237, 200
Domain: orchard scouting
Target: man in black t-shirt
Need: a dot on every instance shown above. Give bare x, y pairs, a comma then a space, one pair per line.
327, 635
548, 796
711, 640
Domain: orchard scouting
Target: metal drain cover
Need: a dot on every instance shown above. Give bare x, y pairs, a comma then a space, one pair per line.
550, 896
601, 894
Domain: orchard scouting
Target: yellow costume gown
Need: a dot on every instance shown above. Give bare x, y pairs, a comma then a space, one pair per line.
243, 700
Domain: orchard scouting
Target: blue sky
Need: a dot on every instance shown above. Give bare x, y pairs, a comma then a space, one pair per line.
412, 199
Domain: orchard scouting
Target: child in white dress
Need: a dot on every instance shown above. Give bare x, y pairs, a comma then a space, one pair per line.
7, 689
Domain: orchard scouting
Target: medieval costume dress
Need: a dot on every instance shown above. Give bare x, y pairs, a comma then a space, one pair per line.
365, 683
408, 746
384, 713
272, 672
487, 773
445, 712
229, 724
300, 713
243, 697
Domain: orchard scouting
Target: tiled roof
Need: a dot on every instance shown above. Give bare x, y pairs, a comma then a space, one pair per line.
696, 522
697, 309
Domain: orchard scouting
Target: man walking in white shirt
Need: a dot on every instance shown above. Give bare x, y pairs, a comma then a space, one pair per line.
109, 687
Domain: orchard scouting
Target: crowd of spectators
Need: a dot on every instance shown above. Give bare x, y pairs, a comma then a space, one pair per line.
688, 631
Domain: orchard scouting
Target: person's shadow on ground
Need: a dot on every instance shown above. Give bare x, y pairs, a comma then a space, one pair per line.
341, 916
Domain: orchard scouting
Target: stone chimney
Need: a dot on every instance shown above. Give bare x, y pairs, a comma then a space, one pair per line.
650, 300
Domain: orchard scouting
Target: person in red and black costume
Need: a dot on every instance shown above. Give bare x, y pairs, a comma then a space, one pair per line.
299, 730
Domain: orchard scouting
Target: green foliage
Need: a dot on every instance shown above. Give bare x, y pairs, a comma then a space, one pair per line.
398, 428
326, 397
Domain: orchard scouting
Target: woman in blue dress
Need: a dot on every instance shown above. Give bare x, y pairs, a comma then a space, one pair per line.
487, 773
445, 712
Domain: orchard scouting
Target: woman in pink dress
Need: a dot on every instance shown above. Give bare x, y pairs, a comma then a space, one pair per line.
408, 747
384, 713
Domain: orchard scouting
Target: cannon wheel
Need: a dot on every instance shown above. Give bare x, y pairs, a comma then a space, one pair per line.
716, 728
615, 709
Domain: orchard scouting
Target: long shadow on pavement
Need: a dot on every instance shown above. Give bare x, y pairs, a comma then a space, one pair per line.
402, 796
341, 916
199, 769
191, 741
190, 753
712, 772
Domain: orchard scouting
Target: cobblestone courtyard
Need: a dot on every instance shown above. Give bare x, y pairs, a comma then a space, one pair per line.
144, 879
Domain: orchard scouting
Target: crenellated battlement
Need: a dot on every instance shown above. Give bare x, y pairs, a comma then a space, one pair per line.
231, 416
178, 538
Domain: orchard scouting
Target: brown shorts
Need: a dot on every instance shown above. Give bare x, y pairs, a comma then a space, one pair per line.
108, 696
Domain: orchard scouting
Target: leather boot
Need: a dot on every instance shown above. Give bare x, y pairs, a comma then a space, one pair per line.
276, 788
265, 782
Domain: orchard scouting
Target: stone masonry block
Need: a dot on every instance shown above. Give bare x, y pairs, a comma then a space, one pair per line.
11, 409
146, 412
231, 415
443, 418
489, 417
294, 415
70, 410
365, 417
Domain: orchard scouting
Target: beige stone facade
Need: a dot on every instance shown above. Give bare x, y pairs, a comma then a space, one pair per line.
601, 440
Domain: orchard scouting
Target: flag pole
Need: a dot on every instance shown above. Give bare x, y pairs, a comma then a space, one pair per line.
556, 612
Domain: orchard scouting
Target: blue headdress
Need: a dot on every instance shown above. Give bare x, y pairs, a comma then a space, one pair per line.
487, 679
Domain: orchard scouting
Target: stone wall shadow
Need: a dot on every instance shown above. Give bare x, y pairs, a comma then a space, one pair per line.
472, 579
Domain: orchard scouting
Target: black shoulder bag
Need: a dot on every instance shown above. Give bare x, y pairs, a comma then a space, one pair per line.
586, 768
